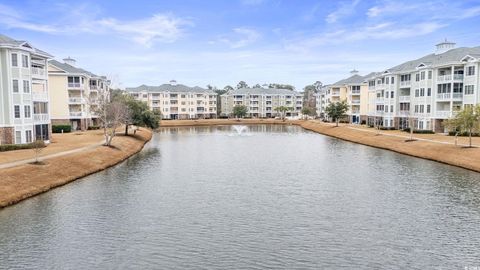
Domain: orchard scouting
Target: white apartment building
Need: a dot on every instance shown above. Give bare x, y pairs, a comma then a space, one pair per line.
24, 93
177, 101
427, 90
73, 94
320, 101
261, 102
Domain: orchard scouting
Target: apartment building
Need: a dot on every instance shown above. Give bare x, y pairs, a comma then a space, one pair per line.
320, 101
427, 90
24, 92
261, 102
177, 101
353, 90
73, 94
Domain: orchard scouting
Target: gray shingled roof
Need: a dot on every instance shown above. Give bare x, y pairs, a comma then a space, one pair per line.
354, 79
4, 40
453, 55
260, 91
178, 88
70, 69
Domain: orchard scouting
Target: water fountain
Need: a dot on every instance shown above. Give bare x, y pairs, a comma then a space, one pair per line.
240, 129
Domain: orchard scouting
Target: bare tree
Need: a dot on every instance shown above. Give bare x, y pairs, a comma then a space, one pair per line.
37, 147
111, 114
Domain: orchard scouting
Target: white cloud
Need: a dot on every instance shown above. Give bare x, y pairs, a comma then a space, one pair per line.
157, 28
243, 37
344, 9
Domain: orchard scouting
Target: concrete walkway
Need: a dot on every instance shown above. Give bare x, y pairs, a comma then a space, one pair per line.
42, 158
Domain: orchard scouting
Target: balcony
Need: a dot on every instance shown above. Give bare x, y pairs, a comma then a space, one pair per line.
457, 96
94, 87
404, 113
38, 72
405, 83
443, 114
41, 117
75, 85
76, 114
40, 96
335, 94
379, 100
355, 92
444, 96
75, 100
355, 102
404, 98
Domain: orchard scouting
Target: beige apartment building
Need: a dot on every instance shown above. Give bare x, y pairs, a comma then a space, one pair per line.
24, 92
261, 102
73, 94
353, 90
177, 101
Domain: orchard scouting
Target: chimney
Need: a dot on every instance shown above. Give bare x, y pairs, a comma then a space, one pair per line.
444, 46
354, 72
70, 61
173, 82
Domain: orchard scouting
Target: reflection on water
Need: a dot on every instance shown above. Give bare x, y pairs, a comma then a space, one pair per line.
281, 198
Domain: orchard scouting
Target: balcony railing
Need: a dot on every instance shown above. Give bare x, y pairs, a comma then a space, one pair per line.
74, 85
404, 113
404, 98
335, 93
38, 71
445, 114
93, 87
379, 100
41, 117
355, 101
405, 83
40, 96
458, 77
457, 95
443, 96
444, 78
355, 92
76, 114
75, 100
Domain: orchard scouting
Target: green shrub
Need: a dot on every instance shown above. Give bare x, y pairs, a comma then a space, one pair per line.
387, 128
93, 127
12, 147
420, 131
59, 128
463, 134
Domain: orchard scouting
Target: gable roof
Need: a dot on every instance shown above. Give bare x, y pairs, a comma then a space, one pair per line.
70, 69
6, 41
261, 91
178, 88
453, 55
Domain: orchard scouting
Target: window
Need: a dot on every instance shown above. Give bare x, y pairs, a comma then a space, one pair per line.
18, 137
417, 77
16, 110
471, 71
421, 108
15, 86
429, 92
14, 60
391, 94
387, 80
24, 61
444, 88
422, 75
416, 108
391, 107
27, 111
422, 92
469, 89
430, 75
428, 108
457, 87
26, 86
41, 132
417, 92
393, 80
40, 107
28, 136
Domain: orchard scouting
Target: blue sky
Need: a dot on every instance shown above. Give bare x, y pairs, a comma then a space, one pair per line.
222, 42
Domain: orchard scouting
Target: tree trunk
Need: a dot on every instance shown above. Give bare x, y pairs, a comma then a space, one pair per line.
105, 134
336, 122
470, 137
126, 129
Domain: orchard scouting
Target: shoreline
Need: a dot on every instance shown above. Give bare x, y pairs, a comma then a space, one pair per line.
466, 158
25, 181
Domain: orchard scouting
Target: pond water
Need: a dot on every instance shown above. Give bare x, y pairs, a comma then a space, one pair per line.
252, 197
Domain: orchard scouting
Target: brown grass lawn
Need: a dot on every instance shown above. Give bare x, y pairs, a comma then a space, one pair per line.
21, 182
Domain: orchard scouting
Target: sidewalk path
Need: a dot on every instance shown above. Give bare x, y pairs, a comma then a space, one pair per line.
42, 158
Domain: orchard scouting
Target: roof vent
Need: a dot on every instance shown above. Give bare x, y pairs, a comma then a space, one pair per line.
444, 47
354, 72
70, 61
173, 82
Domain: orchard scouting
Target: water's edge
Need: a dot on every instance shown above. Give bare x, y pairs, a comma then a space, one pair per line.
108, 161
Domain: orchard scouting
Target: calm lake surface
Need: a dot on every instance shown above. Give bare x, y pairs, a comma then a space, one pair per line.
254, 197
